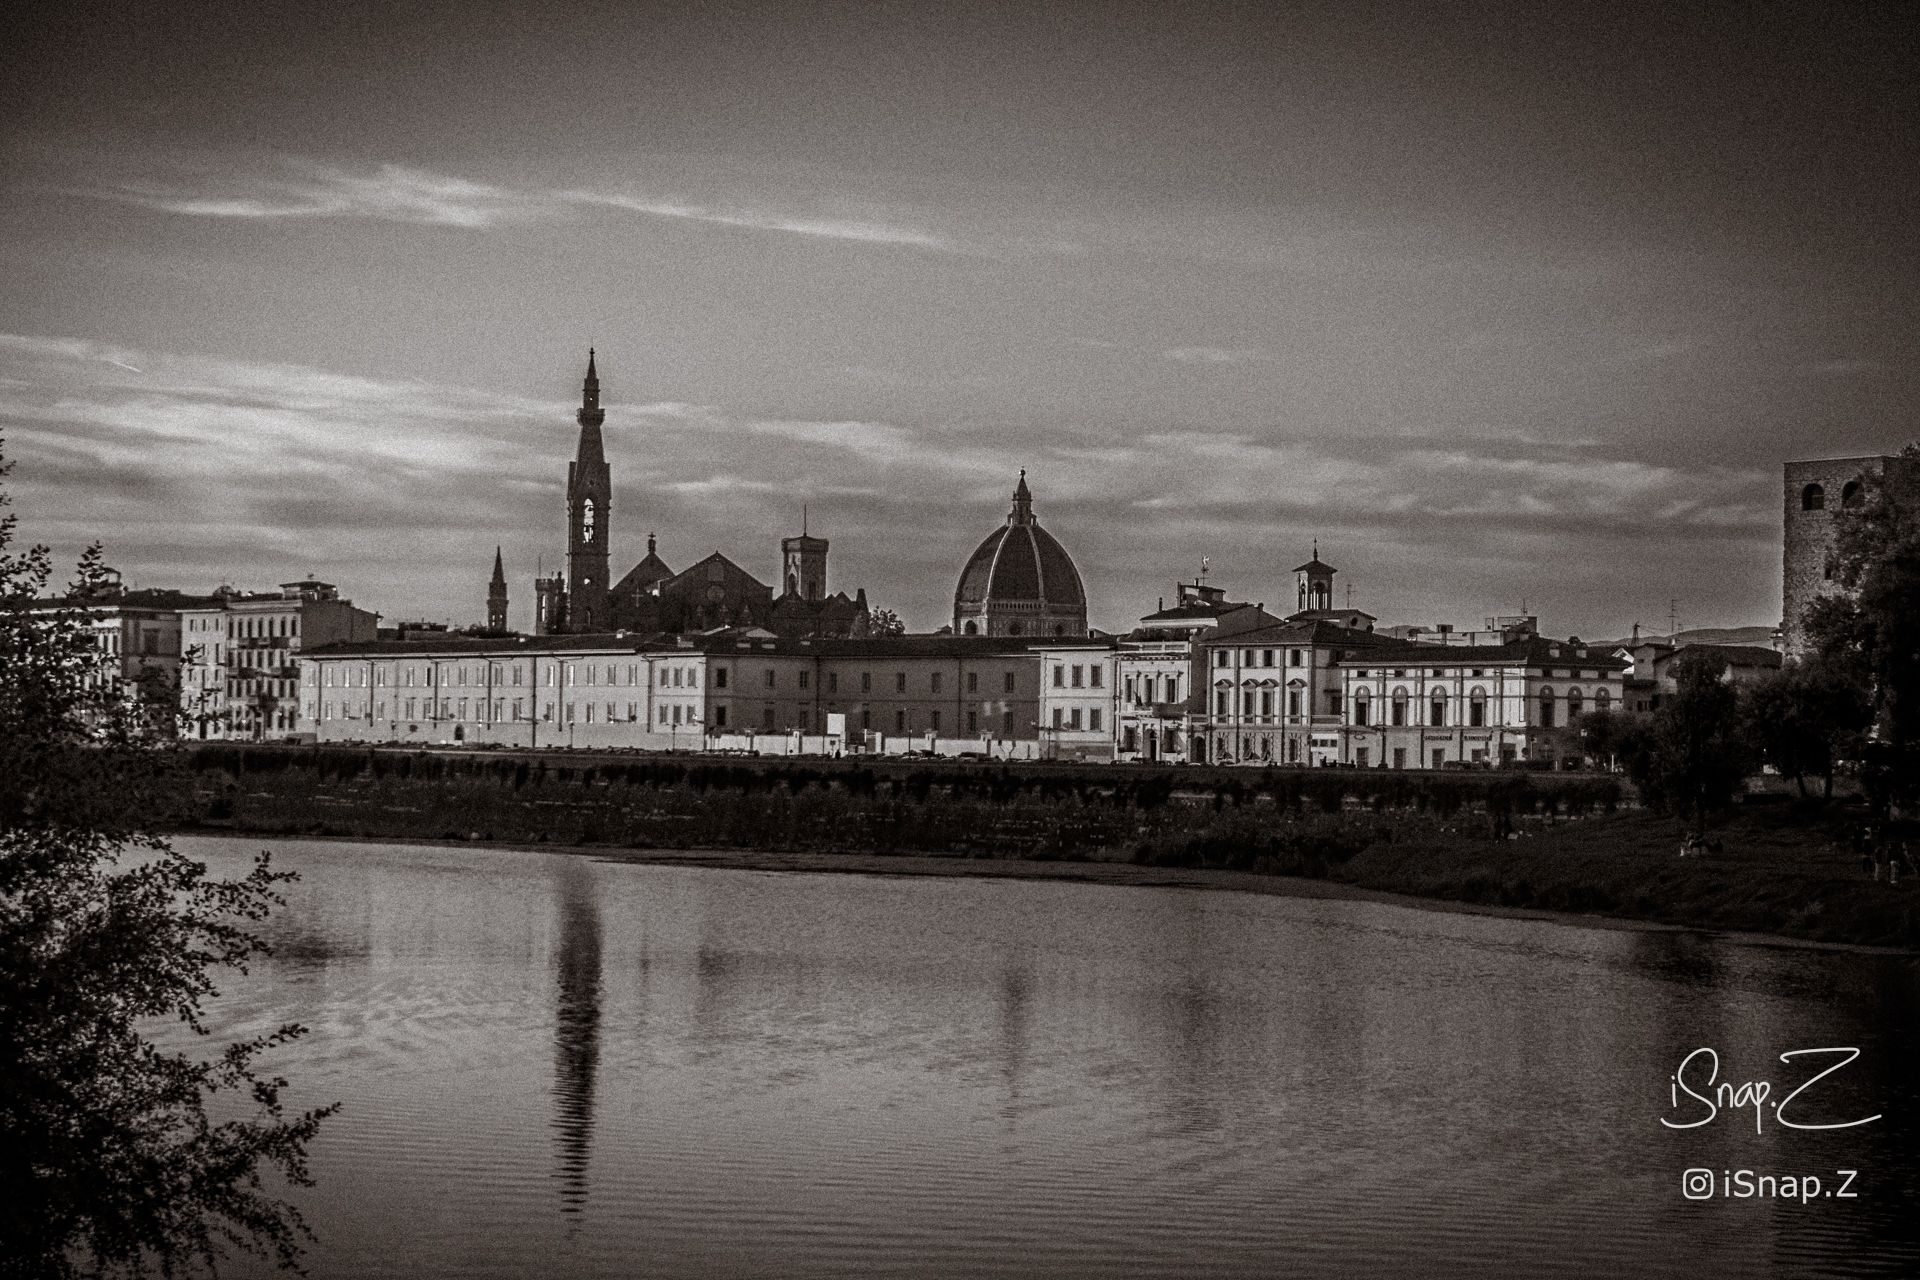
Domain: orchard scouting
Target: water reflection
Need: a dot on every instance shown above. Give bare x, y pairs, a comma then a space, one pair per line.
831, 1076
576, 1029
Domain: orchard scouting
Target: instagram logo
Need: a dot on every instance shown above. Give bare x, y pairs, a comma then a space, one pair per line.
1697, 1184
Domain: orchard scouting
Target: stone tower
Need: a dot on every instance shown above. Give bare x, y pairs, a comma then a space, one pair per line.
589, 509
1815, 492
803, 565
497, 596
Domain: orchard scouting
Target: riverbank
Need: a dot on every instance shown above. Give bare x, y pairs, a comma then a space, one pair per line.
1520, 845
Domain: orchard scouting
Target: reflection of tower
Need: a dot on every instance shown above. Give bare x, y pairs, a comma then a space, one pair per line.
589, 504
1315, 582
803, 569
497, 596
576, 1031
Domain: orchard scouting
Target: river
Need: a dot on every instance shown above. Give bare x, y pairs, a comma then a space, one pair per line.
555, 1065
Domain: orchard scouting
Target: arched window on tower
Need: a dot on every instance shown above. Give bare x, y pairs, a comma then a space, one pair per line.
1851, 494
972, 628
1813, 498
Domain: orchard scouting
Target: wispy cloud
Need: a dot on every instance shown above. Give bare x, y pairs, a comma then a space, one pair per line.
303, 189
829, 228
1212, 355
394, 486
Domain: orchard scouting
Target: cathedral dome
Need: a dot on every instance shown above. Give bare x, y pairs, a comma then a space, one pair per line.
1020, 581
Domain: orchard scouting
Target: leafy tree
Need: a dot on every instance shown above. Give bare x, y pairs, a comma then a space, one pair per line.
885, 622
1695, 755
109, 1158
1872, 634
1805, 718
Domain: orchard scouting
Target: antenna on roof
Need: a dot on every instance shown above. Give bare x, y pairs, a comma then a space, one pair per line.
1206, 563
803, 519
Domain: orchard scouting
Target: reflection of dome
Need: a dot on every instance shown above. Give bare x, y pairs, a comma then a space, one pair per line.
1020, 581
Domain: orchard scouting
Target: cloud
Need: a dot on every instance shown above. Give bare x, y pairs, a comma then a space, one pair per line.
864, 231
198, 470
294, 188
1212, 355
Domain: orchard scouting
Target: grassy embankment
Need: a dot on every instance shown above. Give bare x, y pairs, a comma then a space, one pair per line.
1541, 841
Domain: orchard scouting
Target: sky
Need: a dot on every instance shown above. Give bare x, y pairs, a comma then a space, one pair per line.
1508, 306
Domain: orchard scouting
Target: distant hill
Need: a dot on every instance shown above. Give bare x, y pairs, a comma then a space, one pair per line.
1759, 636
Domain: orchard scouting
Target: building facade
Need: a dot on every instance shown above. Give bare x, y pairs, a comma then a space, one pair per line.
242, 672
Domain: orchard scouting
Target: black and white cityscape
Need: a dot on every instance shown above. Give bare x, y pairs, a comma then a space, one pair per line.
1050, 639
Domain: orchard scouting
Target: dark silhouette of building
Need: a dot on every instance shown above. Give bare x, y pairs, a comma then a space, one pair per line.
651, 597
1020, 581
497, 595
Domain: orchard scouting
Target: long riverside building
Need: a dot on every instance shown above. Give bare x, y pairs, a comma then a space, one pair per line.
1000, 695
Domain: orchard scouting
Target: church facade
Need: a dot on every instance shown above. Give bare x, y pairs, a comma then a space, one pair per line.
652, 598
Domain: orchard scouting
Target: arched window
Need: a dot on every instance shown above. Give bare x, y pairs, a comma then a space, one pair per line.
1399, 706
1602, 700
1575, 704
1813, 498
1546, 708
1360, 706
972, 629
1059, 628
1477, 708
1851, 494
1437, 708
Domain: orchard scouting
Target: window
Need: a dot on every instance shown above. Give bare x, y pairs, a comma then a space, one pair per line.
1293, 702
1266, 657
1477, 709
1437, 708
719, 676
1096, 676
833, 682
934, 722
900, 721
1220, 704
1059, 676
1246, 657
769, 677
866, 682
1220, 657
720, 716
899, 682
1575, 704
1602, 700
1293, 657
1079, 676
1439, 757
973, 682
1851, 494
1399, 708
1546, 708
804, 677
973, 722
1246, 703
1093, 719
935, 683
1333, 702
1008, 681
1266, 702
1399, 757
1075, 719
589, 712
766, 717
1059, 717
663, 677
1360, 705
1006, 723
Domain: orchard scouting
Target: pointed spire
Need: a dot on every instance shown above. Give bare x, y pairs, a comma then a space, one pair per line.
499, 570
1022, 512
590, 414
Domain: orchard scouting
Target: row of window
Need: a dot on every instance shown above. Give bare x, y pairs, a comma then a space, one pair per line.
1145, 690
1548, 703
1083, 677
670, 677
1814, 496
1258, 657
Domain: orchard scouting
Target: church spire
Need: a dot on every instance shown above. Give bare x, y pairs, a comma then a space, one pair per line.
499, 569
1022, 512
591, 415
497, 595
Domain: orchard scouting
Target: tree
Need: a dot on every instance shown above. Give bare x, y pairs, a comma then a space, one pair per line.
1804, 718
885, 622
1872, 634
1607, 736
1694, 755
109, 1160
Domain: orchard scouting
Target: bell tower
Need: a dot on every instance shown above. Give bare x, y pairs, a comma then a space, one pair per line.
589, 508
497, 596
803, 568
1314, 582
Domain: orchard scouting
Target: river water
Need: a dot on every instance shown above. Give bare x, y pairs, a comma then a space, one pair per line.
553, 1065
